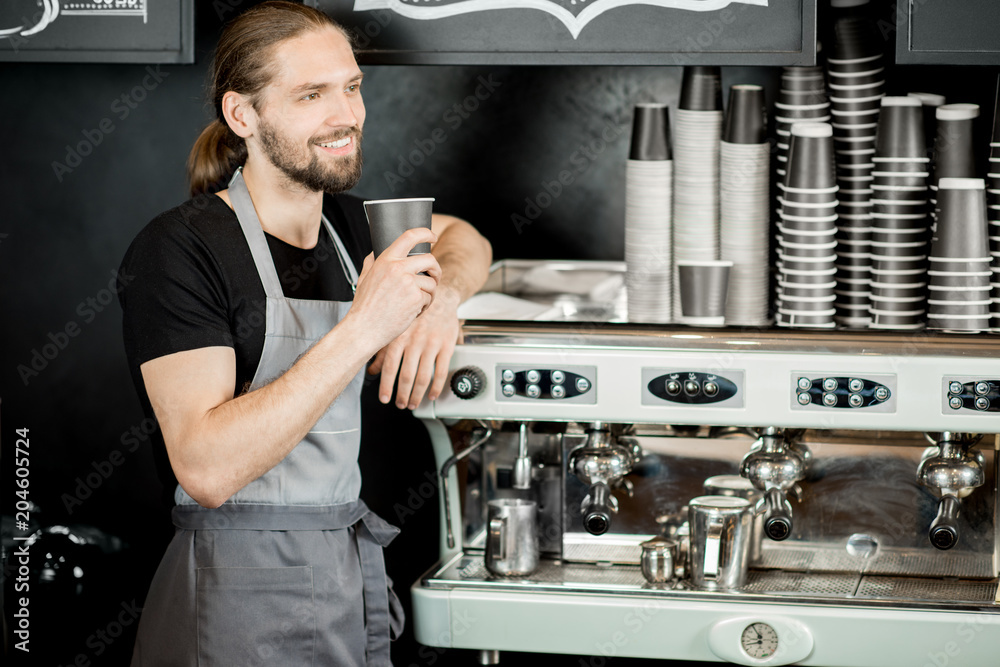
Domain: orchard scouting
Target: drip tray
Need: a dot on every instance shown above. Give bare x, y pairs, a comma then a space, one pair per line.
468, 571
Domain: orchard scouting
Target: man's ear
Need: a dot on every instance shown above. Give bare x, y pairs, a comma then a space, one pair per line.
239, 114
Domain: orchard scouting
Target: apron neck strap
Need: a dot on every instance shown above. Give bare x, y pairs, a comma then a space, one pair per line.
254, 233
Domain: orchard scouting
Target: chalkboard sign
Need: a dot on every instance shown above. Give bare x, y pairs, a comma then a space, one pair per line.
947, 32
580, 32
97, 31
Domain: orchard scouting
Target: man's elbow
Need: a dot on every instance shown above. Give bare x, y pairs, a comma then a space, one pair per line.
203, 488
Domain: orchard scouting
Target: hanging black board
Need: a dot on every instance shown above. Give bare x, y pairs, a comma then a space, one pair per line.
580, 32
947, 32
97, 31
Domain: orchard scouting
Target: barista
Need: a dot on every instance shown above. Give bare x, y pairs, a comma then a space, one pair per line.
247, 340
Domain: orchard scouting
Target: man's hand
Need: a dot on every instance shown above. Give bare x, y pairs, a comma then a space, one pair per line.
421, 354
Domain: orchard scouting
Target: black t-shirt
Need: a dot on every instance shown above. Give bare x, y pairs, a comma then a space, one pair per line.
189, 281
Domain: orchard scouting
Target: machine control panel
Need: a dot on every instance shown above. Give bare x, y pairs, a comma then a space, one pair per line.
971, 395
573, 384
692, 387
874, 393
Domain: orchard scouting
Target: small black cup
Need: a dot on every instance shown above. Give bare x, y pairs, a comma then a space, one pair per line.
701, 89
745, 117
650, 133
954, 153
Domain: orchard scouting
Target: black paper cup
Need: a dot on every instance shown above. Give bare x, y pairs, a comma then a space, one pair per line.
389, 218
959, 266
895, 179
941, 279
650, 133
901, 129
704, 288
793, 291
900, 168
807, 273
900, 193
961, 231
949, 295
954, 154
793, 195
744, 121
701, 89
810, 157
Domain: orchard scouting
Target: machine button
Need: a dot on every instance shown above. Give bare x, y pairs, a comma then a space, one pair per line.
982, 388
829, 400
507, 375
804, 399
805, 384
881, 393
533, 377
557, 377
582, 384
710, 388
830, 384
508, 390
955, 403
468, 382
982, 403
855, 400
533, 391
691, 388
673, 387
855, 385
558, 391
955, 388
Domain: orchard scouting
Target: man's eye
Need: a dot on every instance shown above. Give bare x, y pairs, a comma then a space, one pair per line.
354, 87
311, 96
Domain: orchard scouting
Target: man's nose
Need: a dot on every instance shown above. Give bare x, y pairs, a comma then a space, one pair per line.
342, 113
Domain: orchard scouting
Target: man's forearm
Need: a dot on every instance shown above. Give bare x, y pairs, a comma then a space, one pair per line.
464, 256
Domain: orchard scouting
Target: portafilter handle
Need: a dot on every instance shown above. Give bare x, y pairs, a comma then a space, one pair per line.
943, 533
597, 507
777, 515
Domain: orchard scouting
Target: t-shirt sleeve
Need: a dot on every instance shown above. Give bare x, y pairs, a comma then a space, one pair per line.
172, 293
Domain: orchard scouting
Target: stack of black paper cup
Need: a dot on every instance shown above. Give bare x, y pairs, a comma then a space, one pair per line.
857, 85
697, 133
648, 188
807, 230
954, 156
993, 212
744, 165
960, 261
801, 99
900, 230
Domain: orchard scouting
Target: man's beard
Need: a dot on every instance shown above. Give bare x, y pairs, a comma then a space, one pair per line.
315, 176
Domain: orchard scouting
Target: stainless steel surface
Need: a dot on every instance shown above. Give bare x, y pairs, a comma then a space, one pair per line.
774, 465
512, 537
720, 542
466, 571
951, 472
741, 487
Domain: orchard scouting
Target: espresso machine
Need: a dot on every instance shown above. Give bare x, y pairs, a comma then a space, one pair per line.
863, 465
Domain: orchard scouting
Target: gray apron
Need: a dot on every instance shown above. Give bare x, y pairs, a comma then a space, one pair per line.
289, 570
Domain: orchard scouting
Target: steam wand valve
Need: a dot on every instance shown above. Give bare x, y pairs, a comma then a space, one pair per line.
774, 466
951, 471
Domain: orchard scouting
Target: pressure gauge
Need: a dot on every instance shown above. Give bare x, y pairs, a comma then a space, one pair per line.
759, 640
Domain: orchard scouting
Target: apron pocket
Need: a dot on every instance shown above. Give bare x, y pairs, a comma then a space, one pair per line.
255, 616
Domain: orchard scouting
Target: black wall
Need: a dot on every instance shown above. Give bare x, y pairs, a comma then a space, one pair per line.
82, 170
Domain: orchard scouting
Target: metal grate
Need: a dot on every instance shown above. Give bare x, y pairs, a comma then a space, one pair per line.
927, 589
778, 582
888, 561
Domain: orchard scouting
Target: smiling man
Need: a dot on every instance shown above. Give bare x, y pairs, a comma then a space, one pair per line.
248, 327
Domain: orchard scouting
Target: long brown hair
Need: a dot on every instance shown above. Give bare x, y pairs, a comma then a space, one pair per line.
242, 64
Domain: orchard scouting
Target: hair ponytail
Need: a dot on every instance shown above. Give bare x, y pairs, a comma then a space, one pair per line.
216, 154
243, 64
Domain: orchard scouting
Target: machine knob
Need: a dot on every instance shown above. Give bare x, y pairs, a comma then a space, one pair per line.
533, 377
955, 403
982, 403
855, 385
468, 382
955, 387
830, 384
673, 387
691, 388
829, 400
710, 388
982, 388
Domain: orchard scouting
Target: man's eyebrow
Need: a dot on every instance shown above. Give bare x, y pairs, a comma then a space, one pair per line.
322, 86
